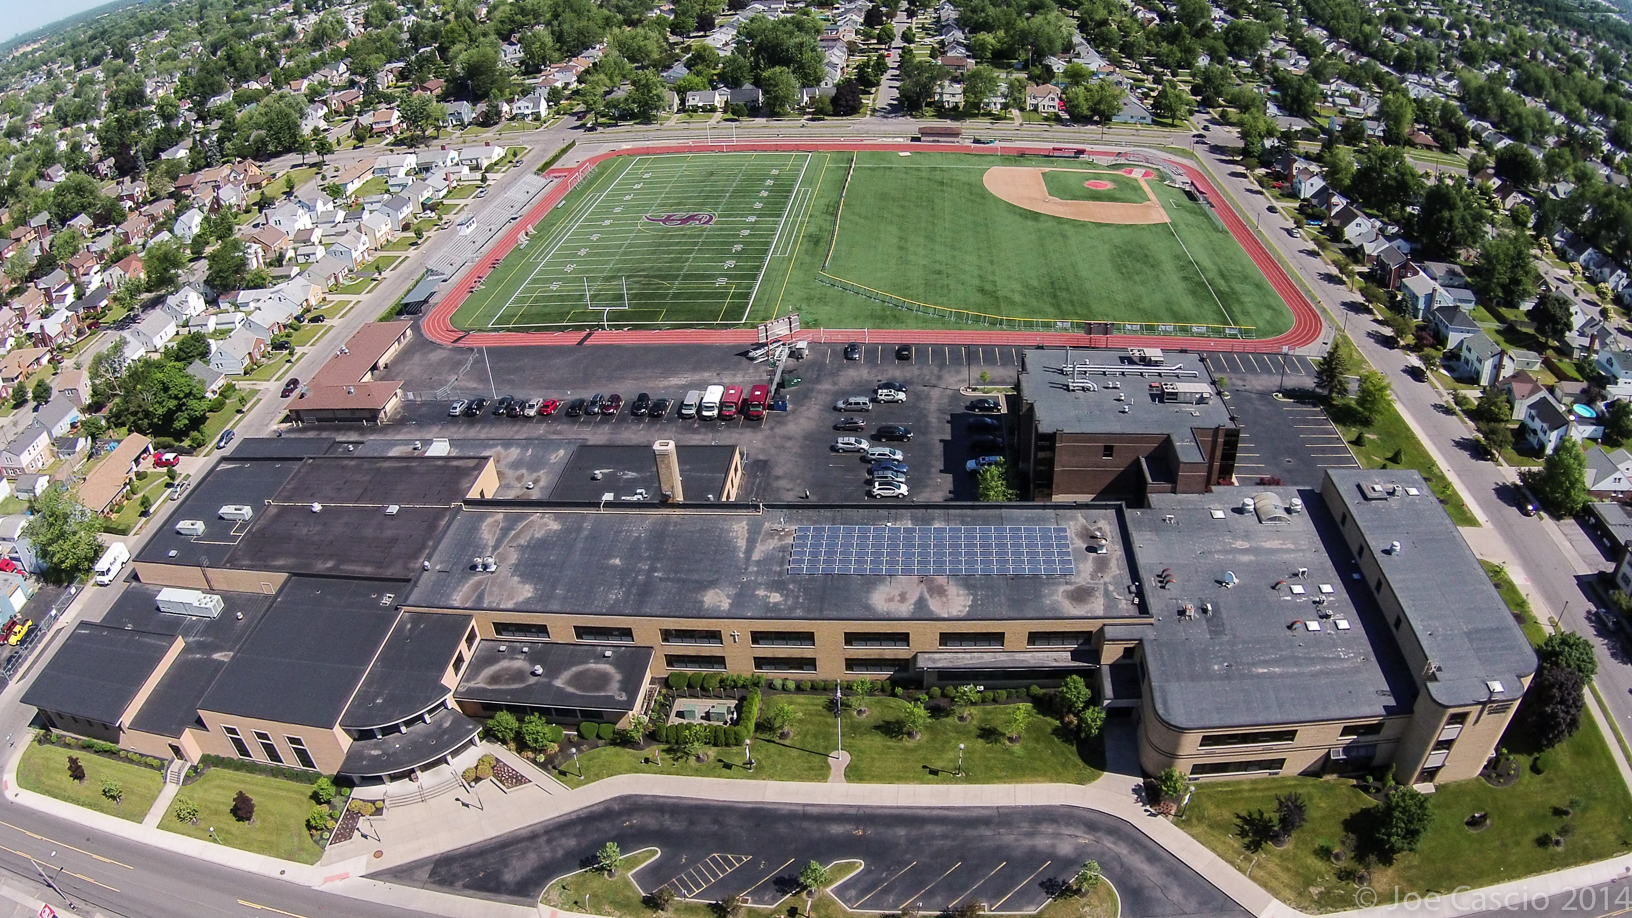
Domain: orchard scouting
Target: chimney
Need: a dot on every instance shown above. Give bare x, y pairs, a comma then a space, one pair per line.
668, 471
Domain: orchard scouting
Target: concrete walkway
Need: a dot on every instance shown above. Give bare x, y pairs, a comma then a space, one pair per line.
836, 766
157, 810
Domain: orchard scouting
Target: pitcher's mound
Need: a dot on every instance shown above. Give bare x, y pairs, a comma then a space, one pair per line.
1098, 185
1023, 186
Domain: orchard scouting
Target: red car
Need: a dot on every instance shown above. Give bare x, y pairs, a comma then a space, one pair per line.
550, 406
165, 460
613, 404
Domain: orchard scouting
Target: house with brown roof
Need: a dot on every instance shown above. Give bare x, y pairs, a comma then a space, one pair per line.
135, 229
108, 481
344, 100
272, 242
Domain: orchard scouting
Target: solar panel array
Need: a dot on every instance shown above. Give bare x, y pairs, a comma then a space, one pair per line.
1037, 551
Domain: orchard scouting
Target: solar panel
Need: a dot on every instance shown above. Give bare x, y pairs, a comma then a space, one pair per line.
928, 551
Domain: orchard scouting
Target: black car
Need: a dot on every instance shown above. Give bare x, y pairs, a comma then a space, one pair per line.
515, 408
985, 406
575, 408
641, 405
903, 352
503, 405
659, 409
850, 424
594, 406
986, 443
476, 407
852, 351
893, 432
985, 424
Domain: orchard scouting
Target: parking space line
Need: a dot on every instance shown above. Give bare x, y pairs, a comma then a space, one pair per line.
926, 889
977, 884
1023, 884
767, 876
892, 879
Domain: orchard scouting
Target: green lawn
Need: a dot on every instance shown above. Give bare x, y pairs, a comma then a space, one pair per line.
1070, 184
1389, 436
1303, 875
379, 184
301, 175
307, 334
127, 517
356, 287
223, 419
276, 365
400, 244
460, 192
1516, 603
279, 829
878, 753
44, 770
382, 264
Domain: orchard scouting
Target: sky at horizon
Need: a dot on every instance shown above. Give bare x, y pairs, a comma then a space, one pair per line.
20, 16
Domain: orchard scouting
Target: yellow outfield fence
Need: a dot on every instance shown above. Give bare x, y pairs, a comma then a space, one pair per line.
1095, 327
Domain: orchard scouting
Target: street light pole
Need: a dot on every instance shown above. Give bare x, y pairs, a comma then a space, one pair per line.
838, 713
577, 764
960, 760
748, 752
1282, 386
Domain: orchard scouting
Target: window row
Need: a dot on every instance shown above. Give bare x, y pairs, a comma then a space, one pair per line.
859, 665
530, 631
269, 749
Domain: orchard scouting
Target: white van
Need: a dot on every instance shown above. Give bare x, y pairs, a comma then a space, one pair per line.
111, 563
688, 406
241, 513
710, 407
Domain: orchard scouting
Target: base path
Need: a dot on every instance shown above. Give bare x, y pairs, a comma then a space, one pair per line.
1023, 186
438, 323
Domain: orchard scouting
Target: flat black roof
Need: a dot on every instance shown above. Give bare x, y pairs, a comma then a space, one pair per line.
1243, 664
1465, 629
627, 469
341, 541
98, 671
281, 447
445, 732
407, 675
703, 562
575, 675
378, 481
232, 481
518, 462
305, 661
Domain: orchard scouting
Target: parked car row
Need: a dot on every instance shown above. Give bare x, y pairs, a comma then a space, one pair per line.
714, 402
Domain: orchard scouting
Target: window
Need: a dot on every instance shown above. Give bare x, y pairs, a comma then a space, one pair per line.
470, 637
1345, 521
1457, 719
1371, 729
784, 638
1204, 769
971, 639
1398, 621
605, 635
237, 742
1056, 638
459, 663
298, 747
885, 667
1378, 587
691, 636
1256, 738
521, 631
693, 662
268, 747
877, 639
1108, 451
785, 664
1444, 745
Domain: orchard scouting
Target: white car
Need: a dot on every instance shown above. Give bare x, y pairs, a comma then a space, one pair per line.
891, 396
851, 445
457, 408
975, 465
878, 453
531, 411
887, 489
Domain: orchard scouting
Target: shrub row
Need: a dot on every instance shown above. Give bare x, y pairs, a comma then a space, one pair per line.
108, 750
750, 709
590, 730
283, 772
712, 734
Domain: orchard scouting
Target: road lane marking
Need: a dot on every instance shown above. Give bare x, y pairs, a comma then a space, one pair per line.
1023, 884
105, 860
267, 908
36, 861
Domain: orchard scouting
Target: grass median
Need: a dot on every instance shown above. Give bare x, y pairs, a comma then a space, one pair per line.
44, 770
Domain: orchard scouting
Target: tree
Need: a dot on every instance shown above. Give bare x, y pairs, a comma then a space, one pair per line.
114, 791
979, 84
1561, 482
1245, 38
914, 719
1398, 113
1386, 181
1291, 813
1505, 270
163, 262
1553, 705
1074, 694
1332, 371
964, 698
919, 80
40, 392
1492, 407
606, 859
781, 718
535, 731
644, 99
1018, 719
76, 771
67, 535
814, 877
1017, 93
1552, 316
779, 91
993, 483
1340, 168
736, 71
1088, 877
1496, 437
187, 348
1171, 784
1518, 165
1090, 721
1172, 104
1209, 83
186, 811
1373, 395
323, 790
1570, 651
503, 726
322, 146
159, 398
243, 807
1403, 818
1104, 100
1618, 422
1452, 217
847, 98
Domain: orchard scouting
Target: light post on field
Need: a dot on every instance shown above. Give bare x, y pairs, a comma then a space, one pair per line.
577, 764
960, 760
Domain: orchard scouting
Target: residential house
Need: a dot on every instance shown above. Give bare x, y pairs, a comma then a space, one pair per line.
479, 158
131, 268
1132, 112
1616, 365
59, 327
1046, 98
345, 100
352, 248
713, 100
108, 482
17, 364
1609, 472
1390, 266
353, 178
378, 227
460, 114
1306, 179
188, 224
28, 452
429, 160
533, 105
396, 164
747, 96
213, 380
1545, 425
1353, 225
1477, 359
74, 385
1421, 296
237, 353
273, 243
385, 121
135, 229
58, 416
1451, 325
57, 286
153, 332
183, 304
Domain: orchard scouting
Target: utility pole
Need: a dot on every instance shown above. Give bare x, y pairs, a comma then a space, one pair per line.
838, 713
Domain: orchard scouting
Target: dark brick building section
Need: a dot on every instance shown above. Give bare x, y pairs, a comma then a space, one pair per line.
1110, 425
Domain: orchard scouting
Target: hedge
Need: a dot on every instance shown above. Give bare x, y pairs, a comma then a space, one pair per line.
750, 709
284, 772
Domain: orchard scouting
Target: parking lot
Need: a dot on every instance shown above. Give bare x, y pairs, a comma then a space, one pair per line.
1280, 438
787, 454
1009, 858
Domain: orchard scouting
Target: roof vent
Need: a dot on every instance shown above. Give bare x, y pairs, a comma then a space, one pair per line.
391, 509
1230, 579
317, 507
1295, 505
502, 647
1495, 687
490, 564
538, 670
1394, 548
606, 654
525, 648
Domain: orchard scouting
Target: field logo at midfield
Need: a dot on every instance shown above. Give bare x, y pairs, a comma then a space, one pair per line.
696, 218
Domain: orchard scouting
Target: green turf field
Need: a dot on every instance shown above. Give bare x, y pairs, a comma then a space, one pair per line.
1069, 186
921, 228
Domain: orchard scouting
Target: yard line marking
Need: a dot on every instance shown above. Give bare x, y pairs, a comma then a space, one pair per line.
1022, 885
977, 884
53, 841
892, 879
930, 886
781, 224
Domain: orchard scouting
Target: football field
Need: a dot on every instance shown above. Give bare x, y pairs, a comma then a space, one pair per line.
652, 241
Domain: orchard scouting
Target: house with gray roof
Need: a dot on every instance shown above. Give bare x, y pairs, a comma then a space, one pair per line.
1477, 359
1546, 424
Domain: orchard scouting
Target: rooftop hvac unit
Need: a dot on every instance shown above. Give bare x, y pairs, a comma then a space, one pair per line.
391, 510
189, 602
538, 670
193, 528
1246, 505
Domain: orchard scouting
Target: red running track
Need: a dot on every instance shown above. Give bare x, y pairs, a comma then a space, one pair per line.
438, 324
